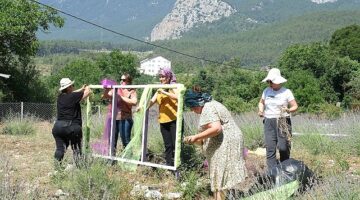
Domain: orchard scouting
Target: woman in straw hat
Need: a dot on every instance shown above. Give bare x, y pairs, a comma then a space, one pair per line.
276, 104
67, 128
221, 140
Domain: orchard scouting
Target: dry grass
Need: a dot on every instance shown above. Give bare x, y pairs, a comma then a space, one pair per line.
29, 160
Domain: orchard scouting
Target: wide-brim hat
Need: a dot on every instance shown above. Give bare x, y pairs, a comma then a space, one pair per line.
274, 76
65, 83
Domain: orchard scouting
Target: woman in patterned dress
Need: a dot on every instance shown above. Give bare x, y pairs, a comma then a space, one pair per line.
222, 142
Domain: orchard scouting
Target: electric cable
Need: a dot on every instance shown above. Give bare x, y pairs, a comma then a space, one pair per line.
135, 39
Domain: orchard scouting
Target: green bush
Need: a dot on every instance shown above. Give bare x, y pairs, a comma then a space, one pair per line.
14, 125
333, 188
253, 136
316, 144
330, 111
192, 188
95, 180
97, 125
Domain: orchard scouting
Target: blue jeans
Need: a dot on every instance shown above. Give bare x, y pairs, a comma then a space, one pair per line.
123, 128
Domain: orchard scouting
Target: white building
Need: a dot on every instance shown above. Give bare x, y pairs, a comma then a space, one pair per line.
151, 66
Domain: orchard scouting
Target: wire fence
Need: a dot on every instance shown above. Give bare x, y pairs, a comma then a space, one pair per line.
43, 111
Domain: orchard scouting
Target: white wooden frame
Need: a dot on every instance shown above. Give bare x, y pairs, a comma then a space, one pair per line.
143, 160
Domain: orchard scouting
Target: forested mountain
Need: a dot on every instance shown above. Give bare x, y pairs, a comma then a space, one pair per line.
138, 18
132, 17
261, 45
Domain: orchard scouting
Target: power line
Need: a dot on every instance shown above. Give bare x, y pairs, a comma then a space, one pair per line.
132, 38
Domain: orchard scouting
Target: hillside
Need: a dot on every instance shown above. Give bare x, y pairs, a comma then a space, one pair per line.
135, 18
261, 45
139, 18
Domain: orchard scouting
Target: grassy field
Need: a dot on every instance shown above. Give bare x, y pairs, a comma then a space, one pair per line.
27, 172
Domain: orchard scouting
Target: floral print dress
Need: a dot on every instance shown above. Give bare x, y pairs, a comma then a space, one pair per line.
224, 152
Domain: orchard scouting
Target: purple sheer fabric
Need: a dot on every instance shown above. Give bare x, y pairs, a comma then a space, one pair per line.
107, 83
102, 146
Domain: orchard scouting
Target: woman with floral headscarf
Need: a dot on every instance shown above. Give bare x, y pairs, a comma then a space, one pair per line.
167, 100
221, 140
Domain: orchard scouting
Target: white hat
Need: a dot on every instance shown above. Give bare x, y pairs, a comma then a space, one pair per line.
65, 83
274, 76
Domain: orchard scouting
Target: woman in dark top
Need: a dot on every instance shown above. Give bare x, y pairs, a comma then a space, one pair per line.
67, 128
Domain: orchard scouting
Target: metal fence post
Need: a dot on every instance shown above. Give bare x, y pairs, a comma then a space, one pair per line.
22, 111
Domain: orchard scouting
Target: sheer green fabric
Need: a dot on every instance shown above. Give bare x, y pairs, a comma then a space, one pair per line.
133, 149
280, 193
179, 127
87, 126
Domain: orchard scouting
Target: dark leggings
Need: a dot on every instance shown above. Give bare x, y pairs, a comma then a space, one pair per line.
168, 132
66, 133
276, 137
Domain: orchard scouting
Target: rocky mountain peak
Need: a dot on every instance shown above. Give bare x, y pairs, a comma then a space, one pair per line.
187, 14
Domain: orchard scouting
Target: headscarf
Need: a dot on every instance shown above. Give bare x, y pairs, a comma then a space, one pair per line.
167, 72
194, 99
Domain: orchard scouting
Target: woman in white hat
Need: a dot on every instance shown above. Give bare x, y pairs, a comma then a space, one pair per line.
67, 128
276, 104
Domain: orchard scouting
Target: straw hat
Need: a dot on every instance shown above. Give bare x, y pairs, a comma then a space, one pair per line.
65, 83
274, 76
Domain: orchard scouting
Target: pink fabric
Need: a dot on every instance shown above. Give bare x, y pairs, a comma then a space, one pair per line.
106, 83
245, 152
102, 146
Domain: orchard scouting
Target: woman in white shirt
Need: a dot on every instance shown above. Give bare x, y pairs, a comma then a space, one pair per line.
276, 104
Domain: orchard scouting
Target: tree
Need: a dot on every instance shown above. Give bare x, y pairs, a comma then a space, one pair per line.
333, 72
205, 81
115, 64
19, 22
346, 42
81, 71
315, 58
306, 88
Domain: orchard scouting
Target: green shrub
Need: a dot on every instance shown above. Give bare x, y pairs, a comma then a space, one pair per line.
95, 180
155, 142
316, 144
253, 135
329, 111
14, 125
97, 125
334, 187
192, 188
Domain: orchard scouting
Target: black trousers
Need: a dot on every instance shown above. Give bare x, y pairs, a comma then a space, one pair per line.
67, 133
276, 137
168, 132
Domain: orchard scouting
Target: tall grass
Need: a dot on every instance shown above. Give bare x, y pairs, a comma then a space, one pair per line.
12, 188
97, 125
14, 125
94, 180
194, 187
98, 179
335, 187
